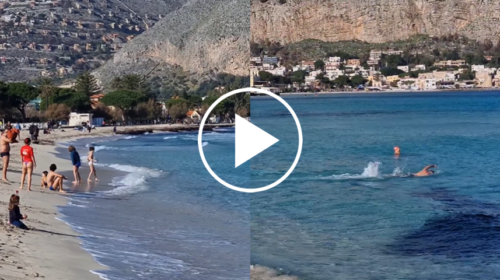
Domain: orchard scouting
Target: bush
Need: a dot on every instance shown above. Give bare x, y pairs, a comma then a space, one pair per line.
58, 112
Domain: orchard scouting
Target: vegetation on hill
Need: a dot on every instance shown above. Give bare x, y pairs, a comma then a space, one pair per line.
420, 49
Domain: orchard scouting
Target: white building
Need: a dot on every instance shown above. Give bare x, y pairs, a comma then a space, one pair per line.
476, 68
404, 68
76, 119
278, 71
419, 67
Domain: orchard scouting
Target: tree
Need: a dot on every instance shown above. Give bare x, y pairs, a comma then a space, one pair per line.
178, 111
123, 99
299, 76
358, 80
388, 71
266, 76
86, 83
319, 65
47, 89
466, 75
133, 82
342, 81
19, 95
57, 112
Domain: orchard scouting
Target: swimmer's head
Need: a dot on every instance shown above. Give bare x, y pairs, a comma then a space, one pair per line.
430, 172
91, 148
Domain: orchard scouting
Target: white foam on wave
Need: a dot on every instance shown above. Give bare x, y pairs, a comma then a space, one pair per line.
130, 137
370, 171
169, 137
134, 182
204, 144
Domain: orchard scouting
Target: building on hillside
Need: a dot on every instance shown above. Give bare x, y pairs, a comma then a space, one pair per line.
278, 71
476, 68
455, 63
419, 67
270, 60
354, 61
335, 60
483, 79
76, 119
404, 68
309, 64
375, 55
194, 115
392, 79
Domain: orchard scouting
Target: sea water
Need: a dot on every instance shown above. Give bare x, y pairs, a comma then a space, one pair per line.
164, 216
349, 211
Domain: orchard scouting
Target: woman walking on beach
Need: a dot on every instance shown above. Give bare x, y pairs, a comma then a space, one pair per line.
75, 160
91, 160
15, 216
28, 163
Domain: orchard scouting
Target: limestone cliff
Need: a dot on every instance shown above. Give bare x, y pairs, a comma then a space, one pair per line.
373, 21
202, 36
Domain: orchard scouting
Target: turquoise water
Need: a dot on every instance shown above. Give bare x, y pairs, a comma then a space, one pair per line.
344, 215
347, 211
165, 217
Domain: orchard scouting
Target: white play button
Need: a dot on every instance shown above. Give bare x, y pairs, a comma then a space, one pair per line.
250, 140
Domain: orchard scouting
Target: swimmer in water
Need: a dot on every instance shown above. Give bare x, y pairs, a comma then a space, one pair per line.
425, 172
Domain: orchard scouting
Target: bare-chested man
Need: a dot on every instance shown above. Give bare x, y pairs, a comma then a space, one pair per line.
55, 180
425, 172
5, 152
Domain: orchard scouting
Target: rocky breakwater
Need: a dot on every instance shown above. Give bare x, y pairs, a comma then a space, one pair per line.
203, 36
373, 21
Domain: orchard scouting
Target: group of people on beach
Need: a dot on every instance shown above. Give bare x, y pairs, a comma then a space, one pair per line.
50, 179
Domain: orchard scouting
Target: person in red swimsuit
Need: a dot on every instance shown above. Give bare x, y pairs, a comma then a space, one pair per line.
29, 162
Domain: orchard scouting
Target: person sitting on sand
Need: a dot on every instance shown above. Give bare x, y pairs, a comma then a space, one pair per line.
15, 216
28, 164
91, 160
43, 181
425, 172
55, 180
75, 160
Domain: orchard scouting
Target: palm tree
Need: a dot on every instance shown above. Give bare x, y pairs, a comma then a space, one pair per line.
47, 89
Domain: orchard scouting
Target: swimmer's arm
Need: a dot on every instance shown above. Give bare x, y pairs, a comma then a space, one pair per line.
429, 167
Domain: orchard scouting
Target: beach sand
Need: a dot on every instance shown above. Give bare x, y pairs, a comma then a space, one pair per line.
52, 250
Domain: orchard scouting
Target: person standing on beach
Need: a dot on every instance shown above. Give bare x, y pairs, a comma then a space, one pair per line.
28, 162
15, 216
5, 152
75, 160
114, 129
91, 160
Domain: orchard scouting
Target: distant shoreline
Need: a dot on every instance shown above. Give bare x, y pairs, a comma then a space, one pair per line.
390, 91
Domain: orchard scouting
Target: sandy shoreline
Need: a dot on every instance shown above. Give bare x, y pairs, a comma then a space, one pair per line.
52, 250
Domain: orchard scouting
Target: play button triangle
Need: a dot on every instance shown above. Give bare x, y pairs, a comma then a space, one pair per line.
250, 140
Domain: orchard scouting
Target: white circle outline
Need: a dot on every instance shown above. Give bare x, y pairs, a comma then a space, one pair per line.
200, 134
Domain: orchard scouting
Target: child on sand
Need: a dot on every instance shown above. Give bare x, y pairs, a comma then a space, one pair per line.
55, 180
75, 160
15, 216
28, 163
91, 160
43, 182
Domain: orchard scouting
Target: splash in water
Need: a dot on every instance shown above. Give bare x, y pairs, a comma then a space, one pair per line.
370, 171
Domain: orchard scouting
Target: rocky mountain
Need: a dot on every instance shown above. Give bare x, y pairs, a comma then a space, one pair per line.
202, 37
373, 21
